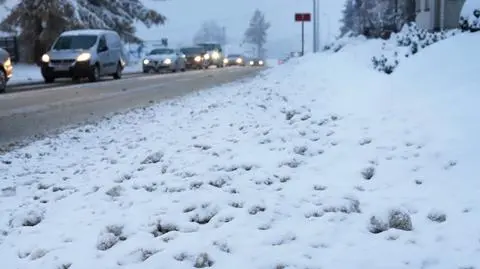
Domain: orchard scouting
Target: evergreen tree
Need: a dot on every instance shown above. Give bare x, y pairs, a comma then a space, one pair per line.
256, 33
373, 18
41, 21
407, 12
349, 19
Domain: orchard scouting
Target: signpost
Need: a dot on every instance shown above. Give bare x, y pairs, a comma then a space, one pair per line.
165, 42
303, 17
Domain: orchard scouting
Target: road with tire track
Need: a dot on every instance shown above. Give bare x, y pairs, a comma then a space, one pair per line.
38, 109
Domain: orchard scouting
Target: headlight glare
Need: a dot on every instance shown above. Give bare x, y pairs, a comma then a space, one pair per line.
45, 58
167, 61
215, 55
198, 59
84, 57
206, 56
146, 61
7, 63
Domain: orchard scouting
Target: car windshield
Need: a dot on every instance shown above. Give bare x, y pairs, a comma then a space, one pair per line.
75, 42
161, 51
210, 46
234, 56
192, 50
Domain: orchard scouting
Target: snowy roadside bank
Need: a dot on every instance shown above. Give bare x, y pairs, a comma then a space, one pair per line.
318, 163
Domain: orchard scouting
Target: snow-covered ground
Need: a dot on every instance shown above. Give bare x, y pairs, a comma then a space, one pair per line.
26, 73
318, 163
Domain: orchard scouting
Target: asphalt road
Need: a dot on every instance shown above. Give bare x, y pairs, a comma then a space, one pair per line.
31, 111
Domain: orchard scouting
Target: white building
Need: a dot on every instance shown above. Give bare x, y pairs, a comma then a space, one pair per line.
436, 15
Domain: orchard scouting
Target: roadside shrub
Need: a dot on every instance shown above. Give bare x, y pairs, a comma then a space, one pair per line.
470, 22
409, 41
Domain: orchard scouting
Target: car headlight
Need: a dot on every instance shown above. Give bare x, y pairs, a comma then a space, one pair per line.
84, 57
225, 61
198, 59
239, 60
45, 58
260, 62
251, 62
215, 55
7, 63
167, 61
206, 56
146, 61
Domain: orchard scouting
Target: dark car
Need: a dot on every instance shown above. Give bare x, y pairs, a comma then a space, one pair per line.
256, 62
6, 69
234, 59
214, 54
194, 57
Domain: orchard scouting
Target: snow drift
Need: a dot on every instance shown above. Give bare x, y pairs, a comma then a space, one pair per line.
319, 163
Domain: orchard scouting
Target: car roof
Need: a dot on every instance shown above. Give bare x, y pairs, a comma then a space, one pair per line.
88, 32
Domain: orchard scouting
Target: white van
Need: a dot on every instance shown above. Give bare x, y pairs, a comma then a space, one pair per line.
86, 53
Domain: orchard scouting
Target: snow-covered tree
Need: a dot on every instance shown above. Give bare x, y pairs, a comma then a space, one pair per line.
349, 19
373, 18
39, 22
407, 12
256, 33
210, 31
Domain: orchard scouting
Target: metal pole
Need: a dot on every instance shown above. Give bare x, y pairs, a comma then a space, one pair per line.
314, 26
303, 37
317, 25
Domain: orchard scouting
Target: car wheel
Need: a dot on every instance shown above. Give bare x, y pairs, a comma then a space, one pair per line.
95, 74
3, 81
49, 79
118, 72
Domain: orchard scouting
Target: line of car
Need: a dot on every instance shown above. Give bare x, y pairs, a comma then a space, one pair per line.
94, 53
199, 56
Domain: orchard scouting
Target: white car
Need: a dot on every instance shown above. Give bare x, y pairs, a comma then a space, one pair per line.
164, 59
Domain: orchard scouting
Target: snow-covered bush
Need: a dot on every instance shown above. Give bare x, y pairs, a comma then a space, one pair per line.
410, 40
341, 42
470, 23
470, 16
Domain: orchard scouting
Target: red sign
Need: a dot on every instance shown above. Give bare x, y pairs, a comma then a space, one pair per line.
303, 17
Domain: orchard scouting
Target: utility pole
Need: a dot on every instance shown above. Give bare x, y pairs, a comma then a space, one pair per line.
317, 25
316, 29
314, 26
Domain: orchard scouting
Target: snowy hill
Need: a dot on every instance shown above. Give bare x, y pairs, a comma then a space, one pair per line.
301, 167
